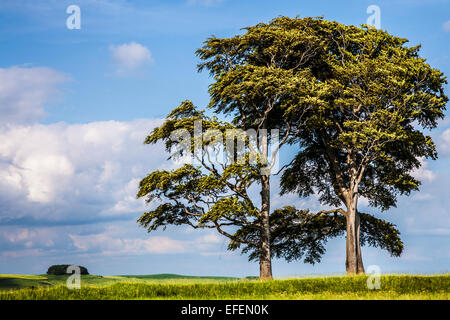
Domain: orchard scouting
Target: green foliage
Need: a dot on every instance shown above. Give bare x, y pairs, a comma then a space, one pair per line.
265, 77
61, 269
374, 95
212, 194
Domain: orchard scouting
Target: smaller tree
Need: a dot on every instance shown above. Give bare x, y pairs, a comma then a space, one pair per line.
214, 191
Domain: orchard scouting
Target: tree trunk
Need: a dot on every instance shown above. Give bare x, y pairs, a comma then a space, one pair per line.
353, 262
265, 259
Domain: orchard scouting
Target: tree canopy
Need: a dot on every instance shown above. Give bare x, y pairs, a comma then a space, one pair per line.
367, 133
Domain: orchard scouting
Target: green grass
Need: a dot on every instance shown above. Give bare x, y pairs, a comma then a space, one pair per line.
12, 282
9, 281
184, 287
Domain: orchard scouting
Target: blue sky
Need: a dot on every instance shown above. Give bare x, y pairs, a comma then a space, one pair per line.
75, 106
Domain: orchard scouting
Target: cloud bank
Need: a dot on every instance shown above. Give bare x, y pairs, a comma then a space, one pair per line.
74, 173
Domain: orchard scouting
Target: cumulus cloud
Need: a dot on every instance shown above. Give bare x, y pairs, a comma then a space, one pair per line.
73, 172
130, 57
103, 239
28, 237
19, 241
422, 173
446, 26
116, 241
22, 253
108, 245
25, 91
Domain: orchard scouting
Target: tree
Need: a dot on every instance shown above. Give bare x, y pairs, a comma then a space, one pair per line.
262, 79
61, 269
375, 100
214, 192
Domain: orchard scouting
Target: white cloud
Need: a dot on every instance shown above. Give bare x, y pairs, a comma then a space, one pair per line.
78, 171
22, 253
208, 242
363, 202
446, 26
115, 241
422, 173
111, 245
130, 57
106, 239
212, 238
28, 237
25, 91
44, 174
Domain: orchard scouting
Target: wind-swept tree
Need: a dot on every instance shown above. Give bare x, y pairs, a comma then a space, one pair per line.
213, 191
262, 82
377, 97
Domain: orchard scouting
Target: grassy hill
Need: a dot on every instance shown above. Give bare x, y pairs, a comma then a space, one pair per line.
11, 281
169, 286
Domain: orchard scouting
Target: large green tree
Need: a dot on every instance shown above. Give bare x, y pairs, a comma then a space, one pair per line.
376, 101
214, 190
263, 81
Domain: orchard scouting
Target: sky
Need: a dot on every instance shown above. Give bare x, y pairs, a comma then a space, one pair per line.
76, 105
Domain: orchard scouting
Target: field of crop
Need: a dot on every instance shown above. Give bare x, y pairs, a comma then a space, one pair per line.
181, 287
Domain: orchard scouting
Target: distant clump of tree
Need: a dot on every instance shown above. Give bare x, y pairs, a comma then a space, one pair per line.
61, 269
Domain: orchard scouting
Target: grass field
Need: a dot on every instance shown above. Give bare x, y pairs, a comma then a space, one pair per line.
167, 286
10, 281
